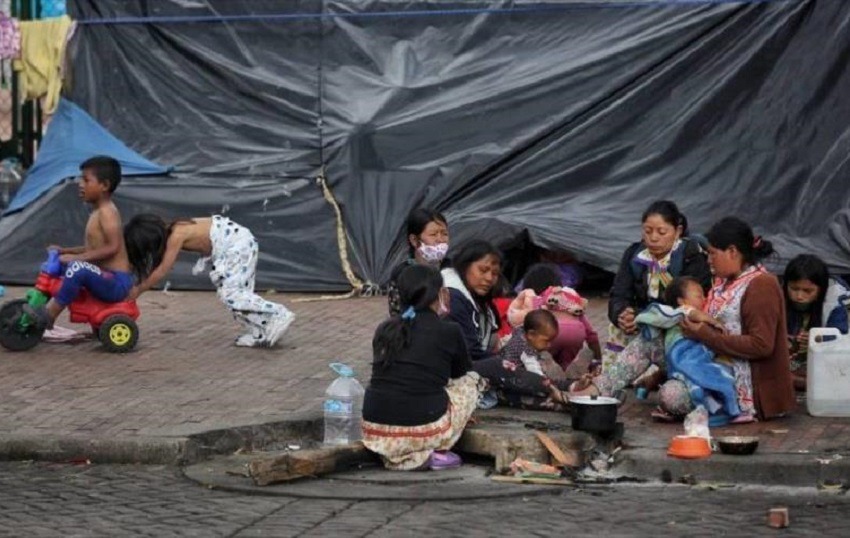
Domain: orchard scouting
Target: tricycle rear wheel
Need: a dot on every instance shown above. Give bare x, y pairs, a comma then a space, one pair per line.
14, 334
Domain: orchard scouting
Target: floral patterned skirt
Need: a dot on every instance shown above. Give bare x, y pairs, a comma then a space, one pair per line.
630, 363
616, 344
406, 448
675, 398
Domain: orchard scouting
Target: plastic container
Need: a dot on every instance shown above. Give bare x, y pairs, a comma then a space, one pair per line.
343, 407
828, 373
689, 447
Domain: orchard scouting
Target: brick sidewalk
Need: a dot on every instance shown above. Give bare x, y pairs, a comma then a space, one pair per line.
186, 377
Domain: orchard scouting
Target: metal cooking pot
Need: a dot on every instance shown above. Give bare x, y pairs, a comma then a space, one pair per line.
594, 413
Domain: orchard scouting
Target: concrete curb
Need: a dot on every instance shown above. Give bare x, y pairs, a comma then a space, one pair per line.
653, 464
796, 470
162, 450
145, 450
303, 429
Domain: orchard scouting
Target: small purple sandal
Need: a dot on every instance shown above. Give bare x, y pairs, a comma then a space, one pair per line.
443, 460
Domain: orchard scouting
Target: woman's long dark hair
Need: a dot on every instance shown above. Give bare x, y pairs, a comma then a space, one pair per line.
418, 287
733, 231
145, 237
806, 267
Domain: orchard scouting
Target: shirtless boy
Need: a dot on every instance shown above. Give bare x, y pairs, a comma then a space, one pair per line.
101, 266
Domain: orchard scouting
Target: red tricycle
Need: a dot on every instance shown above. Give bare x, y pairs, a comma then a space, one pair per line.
114, 324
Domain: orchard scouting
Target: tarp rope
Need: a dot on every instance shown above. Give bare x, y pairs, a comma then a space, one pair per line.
278, 17
341, 239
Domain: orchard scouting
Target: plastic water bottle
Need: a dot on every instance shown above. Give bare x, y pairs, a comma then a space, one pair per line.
343, 407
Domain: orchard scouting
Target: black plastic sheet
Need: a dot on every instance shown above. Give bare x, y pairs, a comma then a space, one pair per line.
562, 119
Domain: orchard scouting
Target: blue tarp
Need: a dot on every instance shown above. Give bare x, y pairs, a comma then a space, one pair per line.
71, 138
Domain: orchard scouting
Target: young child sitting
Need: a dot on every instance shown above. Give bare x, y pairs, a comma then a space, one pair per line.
153, 246
708, 381
101, 265
518, 370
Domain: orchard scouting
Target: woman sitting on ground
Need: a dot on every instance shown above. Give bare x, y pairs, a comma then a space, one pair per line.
664, 253
422, 391
471, 282
749, 302
812, 299
427, 243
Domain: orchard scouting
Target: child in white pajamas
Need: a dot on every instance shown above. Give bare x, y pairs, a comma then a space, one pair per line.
153, 246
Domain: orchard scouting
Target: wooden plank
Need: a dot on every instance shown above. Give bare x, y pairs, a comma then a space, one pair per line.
562, 458
529, 480
303, 463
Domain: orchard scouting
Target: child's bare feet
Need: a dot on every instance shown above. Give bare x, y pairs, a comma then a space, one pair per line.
558, 396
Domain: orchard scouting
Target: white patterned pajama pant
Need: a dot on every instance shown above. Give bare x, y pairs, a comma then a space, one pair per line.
234, 269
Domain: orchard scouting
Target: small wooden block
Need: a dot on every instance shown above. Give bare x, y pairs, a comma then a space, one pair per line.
304, 463
778, 517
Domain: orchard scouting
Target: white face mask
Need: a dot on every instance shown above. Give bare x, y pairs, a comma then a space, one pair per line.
433, 253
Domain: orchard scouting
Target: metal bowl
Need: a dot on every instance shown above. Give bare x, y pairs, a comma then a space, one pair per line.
737, 445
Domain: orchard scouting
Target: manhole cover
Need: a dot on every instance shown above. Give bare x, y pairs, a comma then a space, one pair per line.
468, 482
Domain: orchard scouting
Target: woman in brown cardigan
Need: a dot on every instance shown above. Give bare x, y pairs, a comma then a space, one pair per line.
749, 302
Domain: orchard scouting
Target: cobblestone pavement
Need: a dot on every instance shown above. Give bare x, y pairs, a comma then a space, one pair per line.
42, 500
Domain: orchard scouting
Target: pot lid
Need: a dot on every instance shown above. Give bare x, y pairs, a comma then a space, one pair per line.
593, 400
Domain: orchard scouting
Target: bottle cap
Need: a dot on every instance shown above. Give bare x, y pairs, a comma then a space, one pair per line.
342, 369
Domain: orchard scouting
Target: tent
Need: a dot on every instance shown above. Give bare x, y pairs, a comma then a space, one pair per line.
72, 138
561, 120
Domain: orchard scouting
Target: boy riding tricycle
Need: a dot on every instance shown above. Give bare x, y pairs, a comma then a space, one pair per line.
93, 281
113, 323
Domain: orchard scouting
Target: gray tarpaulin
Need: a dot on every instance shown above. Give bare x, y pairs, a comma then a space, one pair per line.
565, 119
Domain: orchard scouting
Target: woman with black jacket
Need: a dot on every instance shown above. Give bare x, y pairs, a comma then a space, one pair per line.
647, 268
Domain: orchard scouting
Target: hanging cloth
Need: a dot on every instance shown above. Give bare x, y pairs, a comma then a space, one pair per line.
40, 65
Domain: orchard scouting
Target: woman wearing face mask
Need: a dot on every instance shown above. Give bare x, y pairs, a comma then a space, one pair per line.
647, 268
748, 301
422, 391
428, 242
812, 299
470, 281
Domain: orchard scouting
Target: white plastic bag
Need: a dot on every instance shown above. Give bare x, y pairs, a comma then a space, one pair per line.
696, 423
